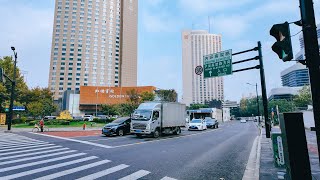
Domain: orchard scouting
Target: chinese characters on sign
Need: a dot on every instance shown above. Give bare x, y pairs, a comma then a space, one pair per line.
111, 93
217, 64
107, 91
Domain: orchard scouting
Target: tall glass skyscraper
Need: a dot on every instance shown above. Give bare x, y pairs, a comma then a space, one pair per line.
295, 76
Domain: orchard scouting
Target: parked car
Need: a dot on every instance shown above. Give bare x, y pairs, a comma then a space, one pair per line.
212, 123
243, 121
78, 118
50, 117
120, 127
255, 120
88, 118
102, 117
197, 124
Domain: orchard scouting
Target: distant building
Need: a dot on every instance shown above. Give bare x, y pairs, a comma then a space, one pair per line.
230, 104
91, 98
295, 76
287, 93
196, 89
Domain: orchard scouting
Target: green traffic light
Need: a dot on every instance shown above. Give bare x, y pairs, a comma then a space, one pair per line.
283, 46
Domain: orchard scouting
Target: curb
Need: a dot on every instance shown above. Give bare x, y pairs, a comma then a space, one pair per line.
252, 171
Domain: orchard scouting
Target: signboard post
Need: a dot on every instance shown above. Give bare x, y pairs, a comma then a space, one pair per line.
218, 64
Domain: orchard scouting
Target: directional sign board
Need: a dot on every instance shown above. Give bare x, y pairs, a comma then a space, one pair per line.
217, 64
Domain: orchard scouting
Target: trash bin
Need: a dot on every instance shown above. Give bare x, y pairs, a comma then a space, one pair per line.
277, 146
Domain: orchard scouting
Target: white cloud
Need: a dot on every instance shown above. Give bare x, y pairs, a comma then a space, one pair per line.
206, 6
160, 23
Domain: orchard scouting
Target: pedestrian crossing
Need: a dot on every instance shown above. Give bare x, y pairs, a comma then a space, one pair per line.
26, 158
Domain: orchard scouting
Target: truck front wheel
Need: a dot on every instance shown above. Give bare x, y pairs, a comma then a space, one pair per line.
177, 131
156, 133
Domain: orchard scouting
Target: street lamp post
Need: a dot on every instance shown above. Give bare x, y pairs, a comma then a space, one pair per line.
13, 82
258, 108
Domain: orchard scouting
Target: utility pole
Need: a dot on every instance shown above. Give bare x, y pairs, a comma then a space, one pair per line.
312, 59
264, 93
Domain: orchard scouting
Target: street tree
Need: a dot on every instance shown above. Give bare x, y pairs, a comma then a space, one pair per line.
197, 106
169, 95
5, 88
147, 96
134, 96
214, 103
303, 99
109, 109
35, 109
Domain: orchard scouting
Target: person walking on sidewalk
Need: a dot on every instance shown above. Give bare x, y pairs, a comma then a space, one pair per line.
41, 124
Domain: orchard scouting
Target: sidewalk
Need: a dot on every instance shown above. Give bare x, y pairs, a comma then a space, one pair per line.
267, 169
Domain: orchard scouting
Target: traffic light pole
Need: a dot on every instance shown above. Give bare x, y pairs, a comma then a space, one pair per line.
312, 59
267, 123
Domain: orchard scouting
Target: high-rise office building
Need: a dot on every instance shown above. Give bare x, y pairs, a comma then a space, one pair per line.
94, 43
295, 76
196, 89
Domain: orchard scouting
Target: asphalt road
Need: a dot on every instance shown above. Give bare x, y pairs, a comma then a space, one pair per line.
211, 154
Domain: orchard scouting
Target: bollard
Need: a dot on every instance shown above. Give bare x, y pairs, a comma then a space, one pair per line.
84, 126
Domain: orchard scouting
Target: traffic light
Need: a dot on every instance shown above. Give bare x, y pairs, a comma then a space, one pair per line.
283, 46
1, 75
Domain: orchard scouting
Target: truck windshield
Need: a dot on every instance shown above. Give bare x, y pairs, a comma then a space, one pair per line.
143, 115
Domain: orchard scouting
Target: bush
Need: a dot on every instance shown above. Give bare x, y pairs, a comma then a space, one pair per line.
64, 122
97, 120
32, 123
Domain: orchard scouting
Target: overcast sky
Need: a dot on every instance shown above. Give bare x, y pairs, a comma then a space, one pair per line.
27, 25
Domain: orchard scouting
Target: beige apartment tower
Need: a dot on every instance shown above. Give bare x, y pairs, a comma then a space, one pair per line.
94, 43
196, 89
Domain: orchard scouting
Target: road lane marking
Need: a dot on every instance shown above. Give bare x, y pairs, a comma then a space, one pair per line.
75, 140
36, 157
29, 150
26, 147
136, 175
19, 140
104, 172
73, 170
25, 173
108, 138
40, 162
144, 142
28, 154
168, 178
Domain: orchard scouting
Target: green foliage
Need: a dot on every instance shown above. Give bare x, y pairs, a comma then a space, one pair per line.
147, 96
35, 109
303, 99
214, 103
109, 109
198, 106
249, 107
167, 95
8, 65
126, 109
283, 105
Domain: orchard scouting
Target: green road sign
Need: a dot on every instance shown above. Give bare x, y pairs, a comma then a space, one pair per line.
217, 64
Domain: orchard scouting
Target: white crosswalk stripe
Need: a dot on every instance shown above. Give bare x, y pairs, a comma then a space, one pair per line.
21, 157
30, 150
25, 173
136, 175
70, 171
36, 157
40, 162
25, 147
30, 154
104, 172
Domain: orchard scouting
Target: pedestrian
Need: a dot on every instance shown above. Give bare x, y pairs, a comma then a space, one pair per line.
41, 124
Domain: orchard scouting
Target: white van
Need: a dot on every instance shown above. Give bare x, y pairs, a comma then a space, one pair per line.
88, 118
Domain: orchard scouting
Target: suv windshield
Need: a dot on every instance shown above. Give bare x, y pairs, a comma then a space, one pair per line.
143, 115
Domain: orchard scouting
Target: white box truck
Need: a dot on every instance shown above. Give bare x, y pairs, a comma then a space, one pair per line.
156, 118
